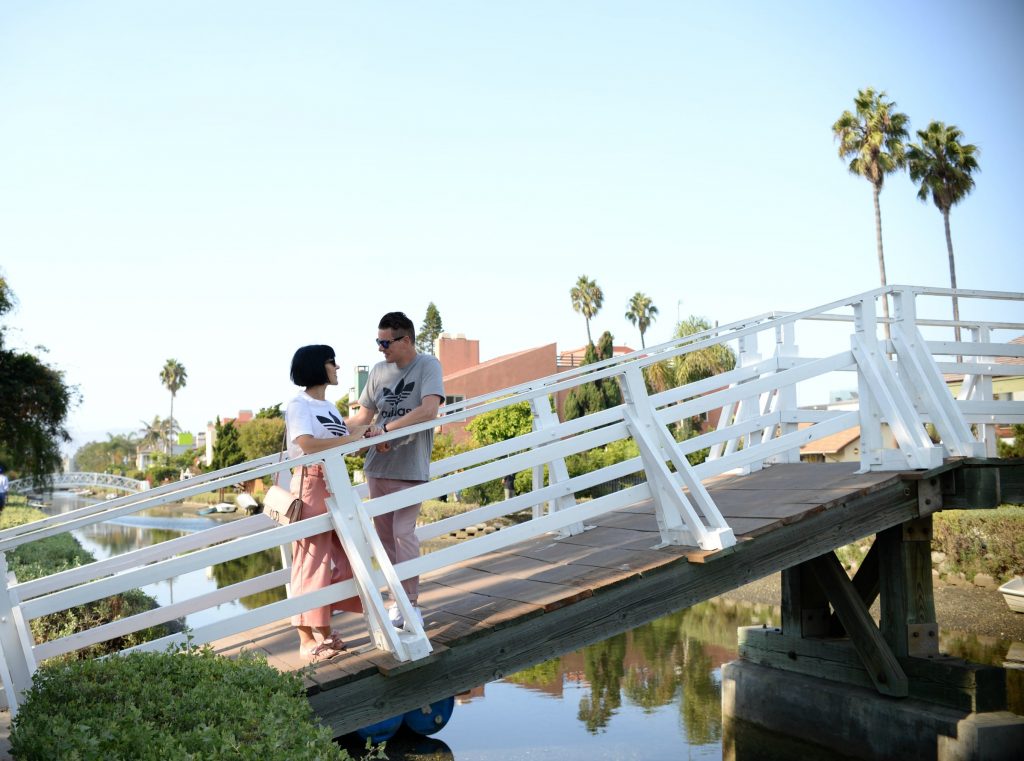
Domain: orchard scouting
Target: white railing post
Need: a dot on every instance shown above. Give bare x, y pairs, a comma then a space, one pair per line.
544, 418
678, 522
921, 377
371, 568
889, 400
785, 399
15, 643
978, 387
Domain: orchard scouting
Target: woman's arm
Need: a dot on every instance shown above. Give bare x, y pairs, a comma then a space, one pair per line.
309, 445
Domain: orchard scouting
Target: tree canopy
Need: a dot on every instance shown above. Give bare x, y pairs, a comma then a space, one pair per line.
35, 402
501, 424
597, 395
429, 330
227, 450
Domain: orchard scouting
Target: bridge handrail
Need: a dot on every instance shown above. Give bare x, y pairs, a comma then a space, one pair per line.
759, 424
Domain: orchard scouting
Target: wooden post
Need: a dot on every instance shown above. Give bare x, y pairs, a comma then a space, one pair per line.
908, 605
804, 605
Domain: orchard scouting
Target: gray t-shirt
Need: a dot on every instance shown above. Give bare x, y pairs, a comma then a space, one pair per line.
392, 392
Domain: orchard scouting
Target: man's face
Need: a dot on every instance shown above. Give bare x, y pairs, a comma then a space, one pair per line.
395, 347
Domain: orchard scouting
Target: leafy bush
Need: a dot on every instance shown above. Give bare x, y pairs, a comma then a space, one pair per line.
982, 541
168, 706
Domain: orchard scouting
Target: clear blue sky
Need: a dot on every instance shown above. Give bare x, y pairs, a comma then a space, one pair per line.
221, 182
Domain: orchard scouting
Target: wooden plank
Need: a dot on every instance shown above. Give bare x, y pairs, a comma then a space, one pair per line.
871, 646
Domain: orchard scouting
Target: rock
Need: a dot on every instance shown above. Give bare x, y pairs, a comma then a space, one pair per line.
985, 581
938, 557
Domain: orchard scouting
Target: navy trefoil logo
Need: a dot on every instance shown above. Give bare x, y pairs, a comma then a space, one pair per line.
400, 394
333, 424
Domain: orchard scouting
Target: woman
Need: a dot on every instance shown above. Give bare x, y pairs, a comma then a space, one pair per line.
314, 425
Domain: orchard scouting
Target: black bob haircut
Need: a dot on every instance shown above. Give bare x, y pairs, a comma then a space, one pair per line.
397, 322
309, 365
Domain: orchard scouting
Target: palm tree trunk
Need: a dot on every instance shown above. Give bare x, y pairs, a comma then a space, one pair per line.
589, 339
167, 433
881, 255
642, 344
952, 273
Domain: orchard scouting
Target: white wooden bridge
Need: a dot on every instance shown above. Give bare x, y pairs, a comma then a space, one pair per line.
902, 382
77, 479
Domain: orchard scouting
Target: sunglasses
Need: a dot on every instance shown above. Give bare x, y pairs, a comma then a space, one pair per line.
331, 361
386, 342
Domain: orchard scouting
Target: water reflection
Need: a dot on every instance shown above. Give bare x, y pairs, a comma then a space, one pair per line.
128, 533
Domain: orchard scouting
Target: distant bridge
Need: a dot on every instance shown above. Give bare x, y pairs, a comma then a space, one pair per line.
71, 480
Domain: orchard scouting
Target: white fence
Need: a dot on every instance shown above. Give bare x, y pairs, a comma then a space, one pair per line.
900, 386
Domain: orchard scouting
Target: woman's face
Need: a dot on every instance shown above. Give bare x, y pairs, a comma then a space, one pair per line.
332, 371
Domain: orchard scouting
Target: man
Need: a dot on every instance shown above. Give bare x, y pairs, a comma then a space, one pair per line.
403, 390
3, 489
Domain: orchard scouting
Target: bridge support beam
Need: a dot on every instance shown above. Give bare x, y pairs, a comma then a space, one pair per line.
897, 696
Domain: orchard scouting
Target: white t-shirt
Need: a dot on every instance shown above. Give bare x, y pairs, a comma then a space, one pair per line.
306, 416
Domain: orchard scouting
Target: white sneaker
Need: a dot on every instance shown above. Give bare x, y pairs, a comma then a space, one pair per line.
398, 621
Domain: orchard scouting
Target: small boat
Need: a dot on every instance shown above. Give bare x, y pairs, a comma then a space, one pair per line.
225, 507
206, 510
1013, 593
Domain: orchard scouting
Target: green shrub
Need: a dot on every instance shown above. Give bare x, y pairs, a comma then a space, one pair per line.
169, 706
982, 541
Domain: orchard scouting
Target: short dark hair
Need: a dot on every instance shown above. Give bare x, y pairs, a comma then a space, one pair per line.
398, 322
309, 365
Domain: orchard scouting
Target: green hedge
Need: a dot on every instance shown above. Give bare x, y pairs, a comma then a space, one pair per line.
168, 706
982, 541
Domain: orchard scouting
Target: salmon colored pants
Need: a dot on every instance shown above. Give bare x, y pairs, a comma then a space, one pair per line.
397, 529
318, 560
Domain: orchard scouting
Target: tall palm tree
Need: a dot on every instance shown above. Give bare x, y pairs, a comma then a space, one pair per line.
587, 299
641, 313
174, 377
872, 138
943, 165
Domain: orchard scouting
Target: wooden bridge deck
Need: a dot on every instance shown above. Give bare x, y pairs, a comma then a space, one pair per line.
538, 599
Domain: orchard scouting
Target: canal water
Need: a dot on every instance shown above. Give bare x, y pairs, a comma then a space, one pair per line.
650, 693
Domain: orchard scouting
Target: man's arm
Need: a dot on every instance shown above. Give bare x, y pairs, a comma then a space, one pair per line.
426, 411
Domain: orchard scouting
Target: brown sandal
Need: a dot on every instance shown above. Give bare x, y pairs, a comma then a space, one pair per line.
334, 640
321, 652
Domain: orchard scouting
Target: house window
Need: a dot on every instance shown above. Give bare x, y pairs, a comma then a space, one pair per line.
454, 399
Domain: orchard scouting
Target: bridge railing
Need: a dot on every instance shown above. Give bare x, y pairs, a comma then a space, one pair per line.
752, 419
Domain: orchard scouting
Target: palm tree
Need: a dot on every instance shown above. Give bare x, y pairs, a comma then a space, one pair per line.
943, 165
174, 377
641, 313
587, 299
152, 433
872, 138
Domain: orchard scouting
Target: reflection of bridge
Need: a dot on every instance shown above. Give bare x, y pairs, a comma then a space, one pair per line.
605, 550
73, 480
